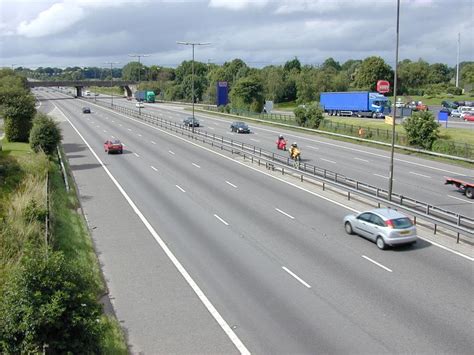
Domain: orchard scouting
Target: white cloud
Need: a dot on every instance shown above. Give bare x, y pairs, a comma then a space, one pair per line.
237, 4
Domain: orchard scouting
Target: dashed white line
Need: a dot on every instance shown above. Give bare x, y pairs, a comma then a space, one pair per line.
255, 140
179, 187
382, 176
151, 166
220, 219
152, 142
113, 137
231, 184
296, 276
286, 214
139, 135
461, 199
211, 128
376, 263
329, 161
310, 146
113, 121
98, 126
136, 155
425, 176
171, 152
364, 160
197, 166
105, 131
120, 124
129, 129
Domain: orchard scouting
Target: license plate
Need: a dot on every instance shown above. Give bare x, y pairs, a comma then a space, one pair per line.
404, 232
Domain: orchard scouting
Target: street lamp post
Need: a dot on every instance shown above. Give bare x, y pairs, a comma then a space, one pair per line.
192, 70
139, 65
111, 82
392, 150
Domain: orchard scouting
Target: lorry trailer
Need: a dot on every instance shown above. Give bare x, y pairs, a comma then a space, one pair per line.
355, 103
463, 183
147, 96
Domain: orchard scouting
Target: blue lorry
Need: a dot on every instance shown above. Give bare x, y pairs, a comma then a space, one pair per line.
147, 96
355, 103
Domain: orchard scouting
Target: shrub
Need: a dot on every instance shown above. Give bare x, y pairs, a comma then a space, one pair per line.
300, 115
310, 117
422, 129
45, 134
18, 112
454, 90
46, 301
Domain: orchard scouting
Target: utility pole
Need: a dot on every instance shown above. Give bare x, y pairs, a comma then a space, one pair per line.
457, 61
192, 69
111, 82
139, 64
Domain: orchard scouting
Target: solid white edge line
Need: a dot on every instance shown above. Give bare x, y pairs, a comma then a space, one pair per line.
364, 160
267, 174
197, 290
376, 263
286, 214
425, 176
151, 166
231, 184
179, 187
296, 276
447, 249
220, 219
382, 176
460, 199
197, 166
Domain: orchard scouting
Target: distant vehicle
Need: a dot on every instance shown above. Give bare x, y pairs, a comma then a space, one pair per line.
190, 122
147, 96
355, 103
455, 113
418, 106
464, 184
446, 110
113, 146
463, 110
88, 93
400, 104
384, 226
469, 117
239, 127
86, 110
449, 104
140, 105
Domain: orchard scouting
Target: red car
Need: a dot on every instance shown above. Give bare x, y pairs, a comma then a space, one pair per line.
469, 116
113, 146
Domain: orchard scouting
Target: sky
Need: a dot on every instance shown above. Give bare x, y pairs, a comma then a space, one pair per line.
41, 33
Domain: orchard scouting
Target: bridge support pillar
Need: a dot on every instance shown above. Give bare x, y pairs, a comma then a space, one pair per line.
79, 91
127, 91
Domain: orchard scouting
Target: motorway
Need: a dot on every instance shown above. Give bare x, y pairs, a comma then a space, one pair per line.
414, 177
271, 257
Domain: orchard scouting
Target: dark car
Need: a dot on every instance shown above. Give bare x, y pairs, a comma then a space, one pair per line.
113, 146
188, 121
239, 127
449, 104
86, 110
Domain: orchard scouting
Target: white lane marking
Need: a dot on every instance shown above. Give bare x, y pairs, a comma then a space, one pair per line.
105, 131
151, 166
197, 166
310, 146
113, 137
120, 124
286, 214
425, 176
329, 161
129, 129
231, 184
220, 219
461, 199
171, 152
382, 176
217, 124
255, 140
296, 276
136, 155
152, 142
211, 128
139, 135
197, 290
98, 126
113, 121
364, 160
232, 133
179, 187
376, 263
274, 177
106, 118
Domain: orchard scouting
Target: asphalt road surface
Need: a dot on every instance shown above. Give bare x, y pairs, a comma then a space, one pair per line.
272, 258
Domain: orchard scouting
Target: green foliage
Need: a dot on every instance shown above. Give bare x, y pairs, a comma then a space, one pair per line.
45, 134
18, 112
467, 73
247, 94
293, 64
370, 71
422, 129
310, 117
133, 71
47, 301
453, 90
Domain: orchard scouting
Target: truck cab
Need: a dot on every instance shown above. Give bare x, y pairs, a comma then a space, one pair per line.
379, 104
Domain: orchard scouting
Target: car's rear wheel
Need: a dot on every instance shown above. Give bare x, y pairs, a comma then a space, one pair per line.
381, 243
348, 228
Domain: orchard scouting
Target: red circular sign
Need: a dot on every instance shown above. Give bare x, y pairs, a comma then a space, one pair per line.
383, 86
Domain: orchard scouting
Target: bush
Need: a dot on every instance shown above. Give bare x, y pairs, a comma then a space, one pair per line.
451, 148
310, 117
18, 112
422, 129
45, 134
300, 115
454, 90
46, 301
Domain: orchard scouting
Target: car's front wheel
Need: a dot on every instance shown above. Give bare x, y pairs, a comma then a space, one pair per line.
381, 243
348, 228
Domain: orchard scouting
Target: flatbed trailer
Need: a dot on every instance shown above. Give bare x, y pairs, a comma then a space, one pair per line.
463, 183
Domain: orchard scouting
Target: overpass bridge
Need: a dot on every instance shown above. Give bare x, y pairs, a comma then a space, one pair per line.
127, 85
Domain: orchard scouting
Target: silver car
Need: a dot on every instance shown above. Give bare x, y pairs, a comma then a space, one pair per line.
384, 226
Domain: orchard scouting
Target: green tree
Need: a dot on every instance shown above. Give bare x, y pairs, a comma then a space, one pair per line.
46, 301
422, 129
18, 111
45, 134
292, 64
413, 74
331, 63
467, 73
438, 73
248, 94
305, 85
370, 71
310, 116
133, 71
